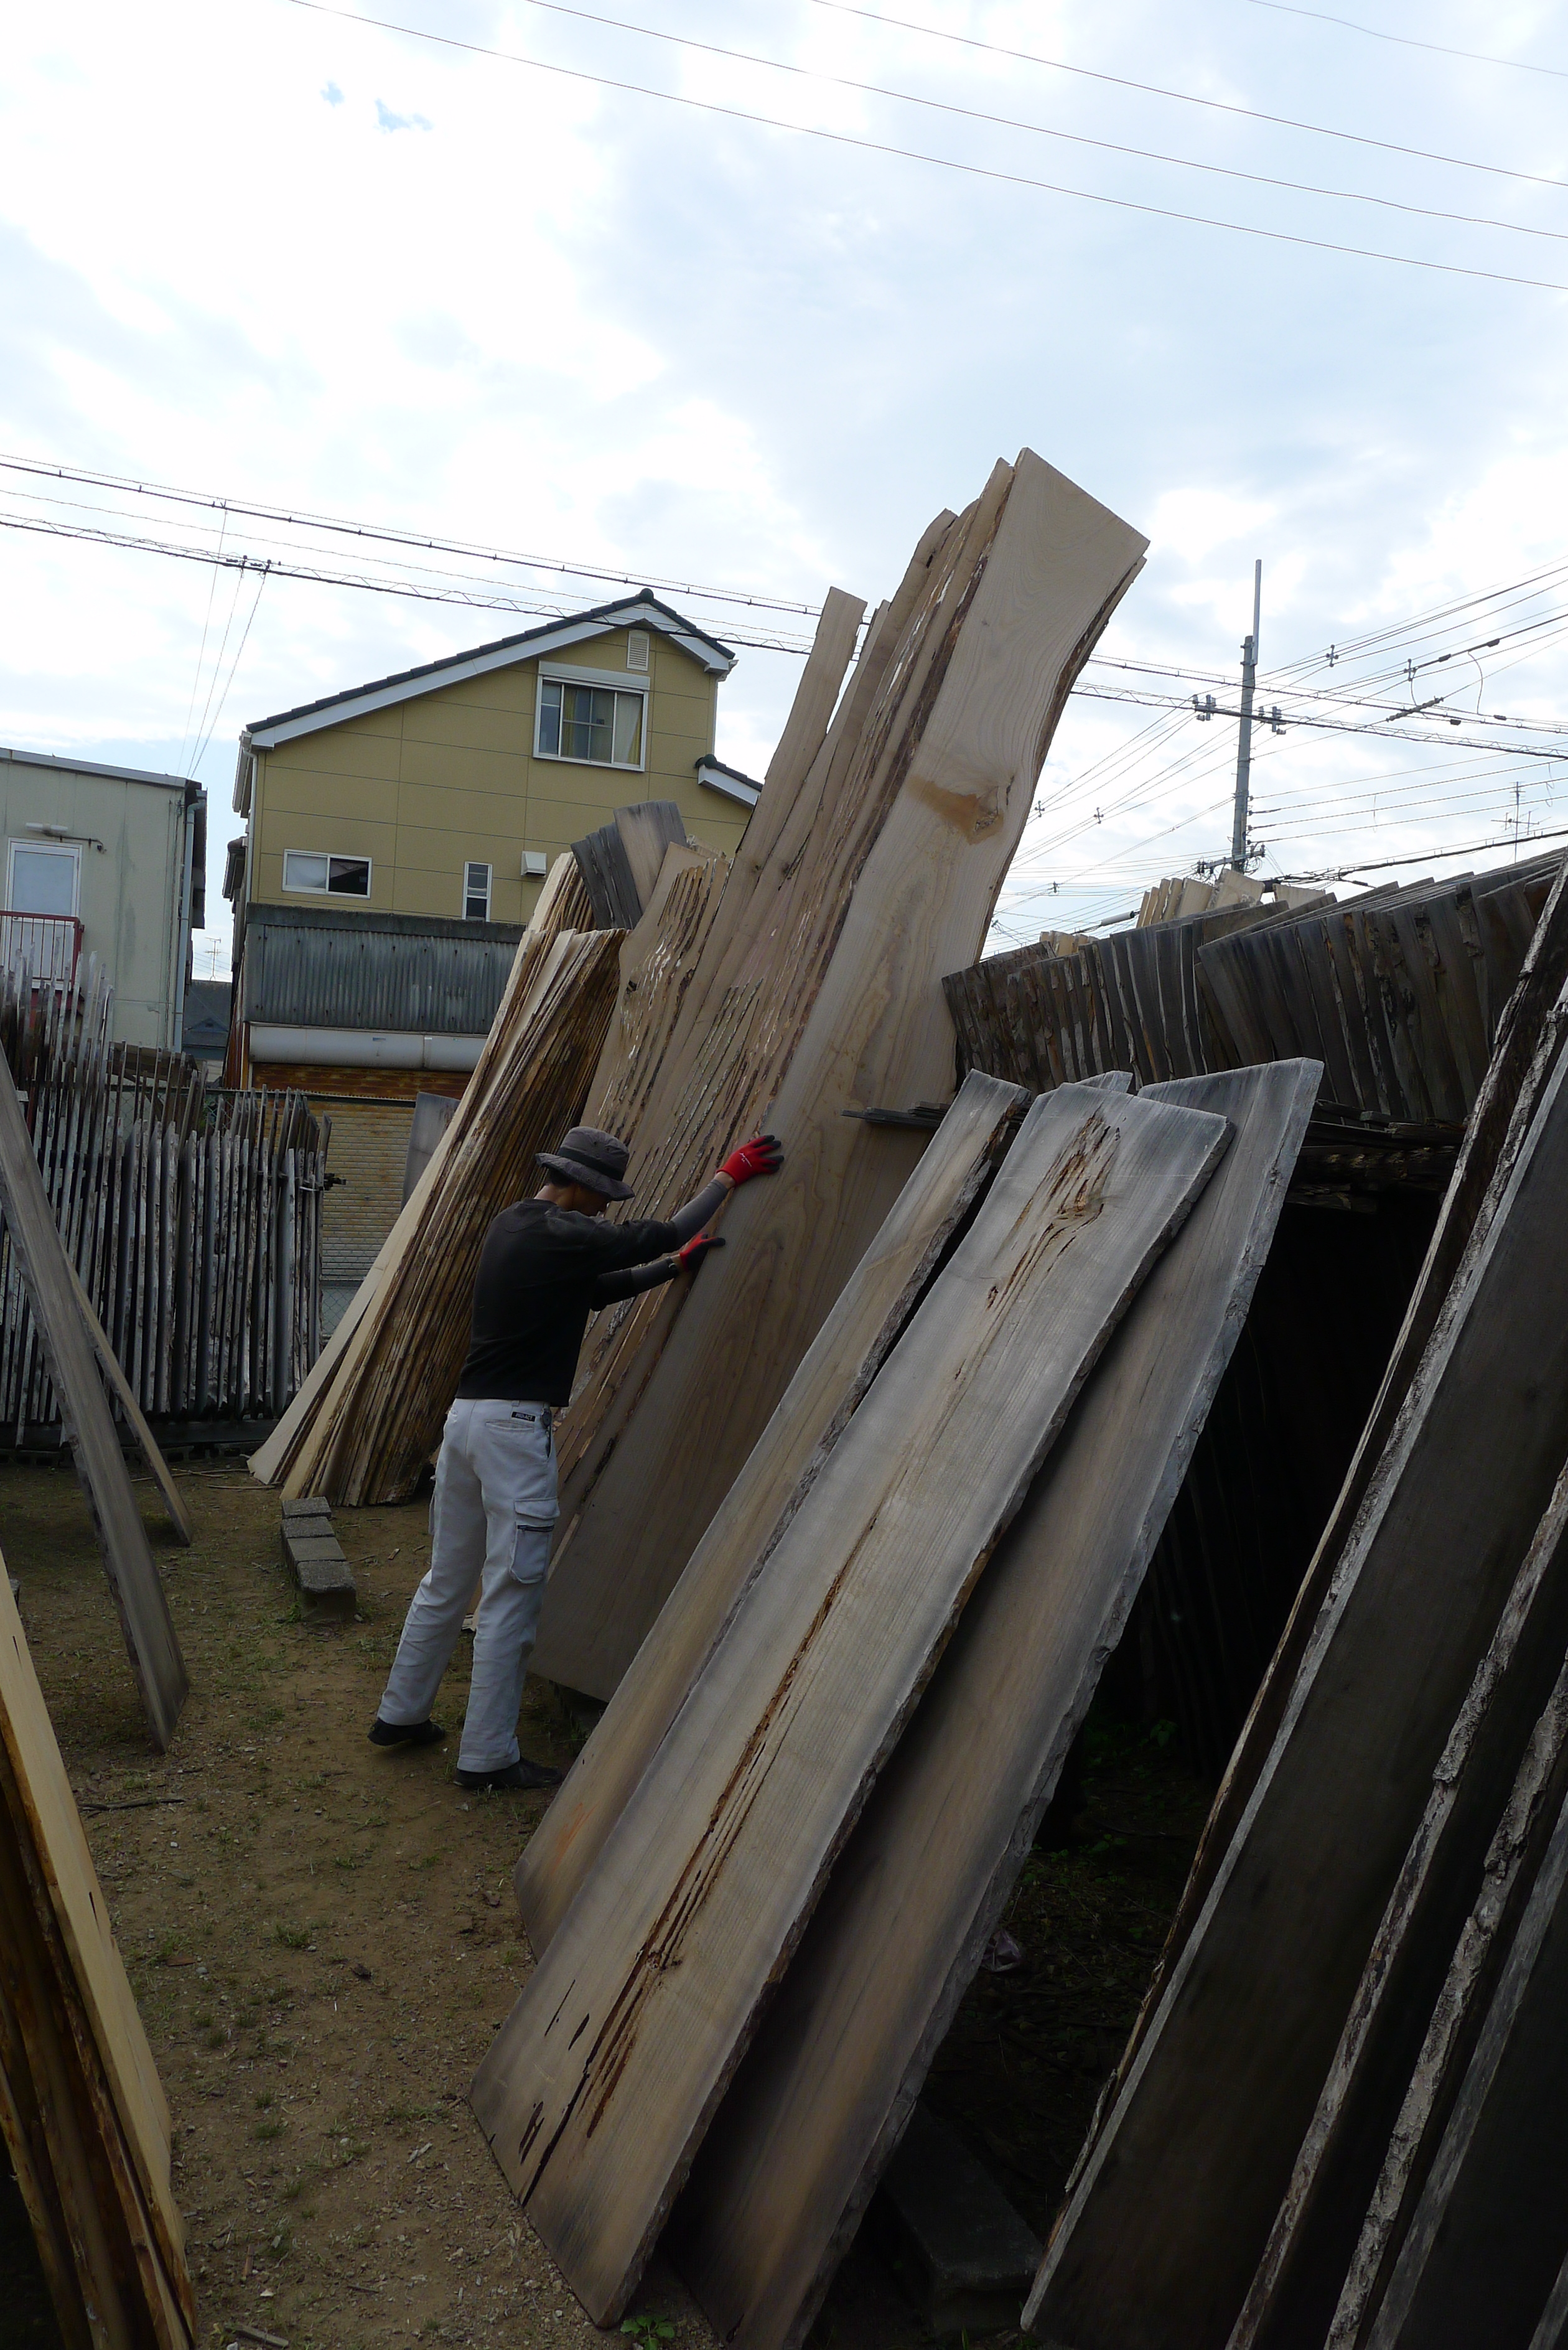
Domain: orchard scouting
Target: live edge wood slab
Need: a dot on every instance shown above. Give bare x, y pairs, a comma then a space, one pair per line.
811, 2117
1176, 2195
840, 1367
601, 2082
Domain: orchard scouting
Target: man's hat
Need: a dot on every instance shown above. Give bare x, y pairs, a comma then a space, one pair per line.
596, 1160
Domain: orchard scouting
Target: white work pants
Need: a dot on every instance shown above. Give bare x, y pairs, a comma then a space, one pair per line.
494, 1508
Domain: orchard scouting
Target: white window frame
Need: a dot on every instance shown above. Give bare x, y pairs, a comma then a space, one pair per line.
604, 682
45, 848
309, 889
476, 865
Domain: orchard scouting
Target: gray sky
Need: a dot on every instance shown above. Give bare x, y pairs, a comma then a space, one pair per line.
261, 250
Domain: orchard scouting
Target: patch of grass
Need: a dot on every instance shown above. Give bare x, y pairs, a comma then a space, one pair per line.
294, 1938
402, 2117
644, 2328
270, 2128
293, 2188
262, 2100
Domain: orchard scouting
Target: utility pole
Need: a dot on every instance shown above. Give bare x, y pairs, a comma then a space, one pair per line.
1244, 734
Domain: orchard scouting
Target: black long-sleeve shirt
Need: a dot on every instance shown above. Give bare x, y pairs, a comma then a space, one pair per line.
542, 1270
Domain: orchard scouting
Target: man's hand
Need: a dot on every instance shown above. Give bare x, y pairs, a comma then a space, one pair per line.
763, 1155
691, 1256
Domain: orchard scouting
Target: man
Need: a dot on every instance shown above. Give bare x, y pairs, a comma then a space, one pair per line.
546, 1265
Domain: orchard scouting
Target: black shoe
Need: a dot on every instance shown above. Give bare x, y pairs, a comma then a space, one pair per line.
405, 1733
515, 1774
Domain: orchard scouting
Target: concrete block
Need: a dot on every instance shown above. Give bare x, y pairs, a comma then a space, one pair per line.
318, 1565
309, 1506
952, 2237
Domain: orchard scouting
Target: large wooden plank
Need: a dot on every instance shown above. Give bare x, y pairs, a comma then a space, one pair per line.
599, 2085
1345, 2203
1490, 2231
45, 1270
1530, 1032
121, 1388
816, 1407
957, 796
796, 2151
1173, 2203
54, 1823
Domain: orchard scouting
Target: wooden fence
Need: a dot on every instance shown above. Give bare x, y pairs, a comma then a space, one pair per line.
192, 1214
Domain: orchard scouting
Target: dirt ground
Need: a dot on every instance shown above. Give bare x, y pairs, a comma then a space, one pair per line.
322, 1939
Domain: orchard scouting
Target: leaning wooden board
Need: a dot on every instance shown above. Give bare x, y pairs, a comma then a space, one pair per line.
815, 1408
601, 2082
1339, 2214
47, 1852
52, 1293
1531, 1027
121, 1388
1172, 2206
1048, 566
1490, 2231
811, 2117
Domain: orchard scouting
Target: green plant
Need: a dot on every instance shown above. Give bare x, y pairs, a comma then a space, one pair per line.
644, 2328
294, 1938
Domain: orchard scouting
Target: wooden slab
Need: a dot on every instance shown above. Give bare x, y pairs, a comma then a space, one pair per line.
646, 831
792, 2159
52, 1292
1172, 2206
816, 1407
47, 1827
121, 1388
599, 2085
1531, 1030
920, 896
1347, 2203
1490, 2231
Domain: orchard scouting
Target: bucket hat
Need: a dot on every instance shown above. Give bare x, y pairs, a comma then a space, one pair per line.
596, 1160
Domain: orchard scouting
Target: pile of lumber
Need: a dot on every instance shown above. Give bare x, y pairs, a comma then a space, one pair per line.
804, 982
365, 1423
770, 1875
1340, 2120
1397, 993
82, 2113
193, 1219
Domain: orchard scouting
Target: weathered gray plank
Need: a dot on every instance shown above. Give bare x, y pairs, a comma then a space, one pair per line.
1382, 2088
52, 1293
816, 1407
1174, 2200
1490, 2231
601, 2082
796, 2151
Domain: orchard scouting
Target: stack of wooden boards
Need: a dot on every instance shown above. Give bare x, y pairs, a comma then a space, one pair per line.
82, 2110
829, 1760
193, 1219
803, 982
1341, 2117
620, 863
1398, 993
367, 1421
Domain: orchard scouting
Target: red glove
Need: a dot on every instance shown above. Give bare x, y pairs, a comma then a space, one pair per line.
691, 1256
762, 1156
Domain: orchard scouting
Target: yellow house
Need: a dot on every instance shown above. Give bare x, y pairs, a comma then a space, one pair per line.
449, 791
397, 836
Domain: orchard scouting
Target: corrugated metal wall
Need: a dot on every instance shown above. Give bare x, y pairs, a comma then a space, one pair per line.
317, 968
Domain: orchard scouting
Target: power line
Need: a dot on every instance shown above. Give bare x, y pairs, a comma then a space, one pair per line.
1407, 41
386, 536
1035, 129
1185, 98
941, 162
1331, 725
93, 535
1423, 856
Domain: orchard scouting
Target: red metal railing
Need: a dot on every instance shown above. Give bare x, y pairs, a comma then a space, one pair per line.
49, 945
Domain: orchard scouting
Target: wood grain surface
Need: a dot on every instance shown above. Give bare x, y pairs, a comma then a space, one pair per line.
1170, 2210
912, 856
600, 2084
816, 1407
795, 2153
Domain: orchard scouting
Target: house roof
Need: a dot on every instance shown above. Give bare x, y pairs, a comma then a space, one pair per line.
642, 610
94, 767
